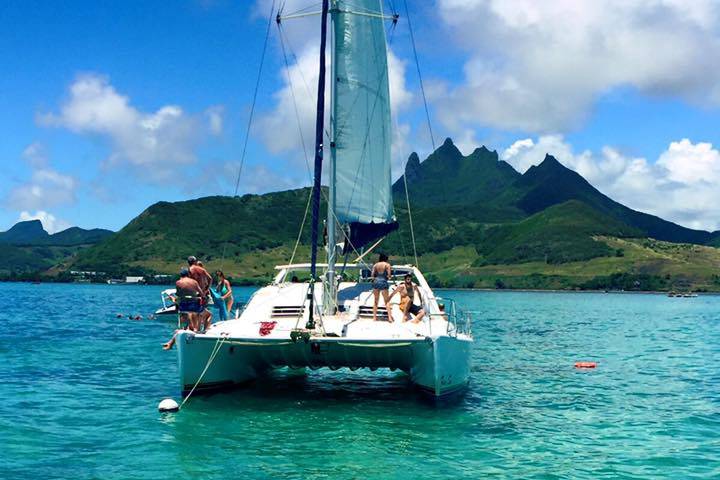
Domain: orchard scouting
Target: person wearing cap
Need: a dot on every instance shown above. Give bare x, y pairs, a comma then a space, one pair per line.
189, 297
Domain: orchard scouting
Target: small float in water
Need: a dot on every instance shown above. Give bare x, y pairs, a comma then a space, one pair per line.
585, 364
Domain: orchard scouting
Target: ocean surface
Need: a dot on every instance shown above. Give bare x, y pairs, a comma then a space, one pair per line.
80, 388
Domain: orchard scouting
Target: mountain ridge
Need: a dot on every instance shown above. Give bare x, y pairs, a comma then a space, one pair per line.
478, 222
32, 232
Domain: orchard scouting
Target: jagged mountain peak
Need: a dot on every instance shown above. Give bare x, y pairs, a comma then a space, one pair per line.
484, 151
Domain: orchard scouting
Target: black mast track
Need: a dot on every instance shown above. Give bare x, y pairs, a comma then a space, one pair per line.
319, 131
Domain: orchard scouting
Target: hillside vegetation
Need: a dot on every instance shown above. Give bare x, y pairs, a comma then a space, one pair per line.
478, 223
27, 247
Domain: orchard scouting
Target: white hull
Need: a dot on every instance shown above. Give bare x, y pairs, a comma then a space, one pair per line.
439, 365
271, 333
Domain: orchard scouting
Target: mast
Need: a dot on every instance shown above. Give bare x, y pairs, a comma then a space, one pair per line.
319, 130
330, 301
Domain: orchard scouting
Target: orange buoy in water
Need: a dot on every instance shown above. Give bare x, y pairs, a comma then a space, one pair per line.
585, 364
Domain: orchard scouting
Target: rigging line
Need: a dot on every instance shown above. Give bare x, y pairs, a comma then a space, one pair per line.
257, 87
302, 76
302, 10
412, 230
302, 140
402, 246
417, 65
302, 226
295, 107
249, 125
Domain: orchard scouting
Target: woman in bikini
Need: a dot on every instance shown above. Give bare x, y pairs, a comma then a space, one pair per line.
224, 288
381, 274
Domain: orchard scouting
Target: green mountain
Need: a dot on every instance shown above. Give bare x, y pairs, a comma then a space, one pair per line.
447, 178
24, 233
27, 247
31, 232
477, 222
496, 192
551, 183
220, 230
559, 234
78, 236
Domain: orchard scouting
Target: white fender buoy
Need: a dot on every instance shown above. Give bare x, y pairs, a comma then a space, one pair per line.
168, 405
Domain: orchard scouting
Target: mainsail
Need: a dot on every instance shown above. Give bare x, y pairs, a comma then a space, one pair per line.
361, 183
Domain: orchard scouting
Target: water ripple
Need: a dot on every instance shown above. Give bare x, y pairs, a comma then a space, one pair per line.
80, 389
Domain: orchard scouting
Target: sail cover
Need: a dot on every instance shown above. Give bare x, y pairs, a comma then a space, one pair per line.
362, 134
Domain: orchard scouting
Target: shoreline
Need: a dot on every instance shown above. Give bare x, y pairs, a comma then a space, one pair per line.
463, 289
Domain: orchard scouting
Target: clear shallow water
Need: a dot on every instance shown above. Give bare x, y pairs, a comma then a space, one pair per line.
80, 388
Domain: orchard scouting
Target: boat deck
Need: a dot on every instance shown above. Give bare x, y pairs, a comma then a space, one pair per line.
277, 310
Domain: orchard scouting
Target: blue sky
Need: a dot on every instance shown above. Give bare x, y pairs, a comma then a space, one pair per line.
108, 107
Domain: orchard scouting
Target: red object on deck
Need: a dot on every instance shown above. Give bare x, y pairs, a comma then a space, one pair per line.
585, 364
266, 328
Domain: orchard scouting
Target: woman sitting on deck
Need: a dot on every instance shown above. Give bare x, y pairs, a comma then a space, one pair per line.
381, 274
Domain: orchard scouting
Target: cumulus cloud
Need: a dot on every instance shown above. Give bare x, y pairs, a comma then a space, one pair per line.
153, 142
278, 127
540, 66
50, 223
46, 187
680, 186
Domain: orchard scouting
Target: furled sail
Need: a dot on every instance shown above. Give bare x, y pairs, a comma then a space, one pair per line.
361, 123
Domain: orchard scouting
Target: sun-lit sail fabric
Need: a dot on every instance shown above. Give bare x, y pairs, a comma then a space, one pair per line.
363, 199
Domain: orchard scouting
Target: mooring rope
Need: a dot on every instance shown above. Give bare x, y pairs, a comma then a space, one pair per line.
216, 349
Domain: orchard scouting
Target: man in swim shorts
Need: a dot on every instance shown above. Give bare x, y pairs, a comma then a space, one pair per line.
204, 279
407, 291
189, 299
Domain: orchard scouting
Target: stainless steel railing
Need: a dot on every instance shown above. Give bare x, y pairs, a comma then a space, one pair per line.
458, 321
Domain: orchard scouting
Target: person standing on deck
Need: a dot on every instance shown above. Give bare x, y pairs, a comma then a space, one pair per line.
204, 279
381, 274
189, 299
225, 289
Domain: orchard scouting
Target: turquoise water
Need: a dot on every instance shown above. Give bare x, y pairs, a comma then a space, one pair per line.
80, 389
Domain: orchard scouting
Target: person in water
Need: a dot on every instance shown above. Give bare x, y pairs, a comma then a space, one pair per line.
189, 298
381, 274
224, 288
203, 278
407, 291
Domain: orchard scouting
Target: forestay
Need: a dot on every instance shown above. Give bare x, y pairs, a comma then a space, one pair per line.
362, 133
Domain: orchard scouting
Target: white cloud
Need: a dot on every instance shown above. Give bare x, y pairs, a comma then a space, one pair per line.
540, 66
278, 128
260, 179
46, 188
691, 164
50, 223
156, 142
681, 186
215, 116
35, 155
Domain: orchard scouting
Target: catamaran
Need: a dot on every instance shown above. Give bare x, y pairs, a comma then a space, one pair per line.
321, 314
